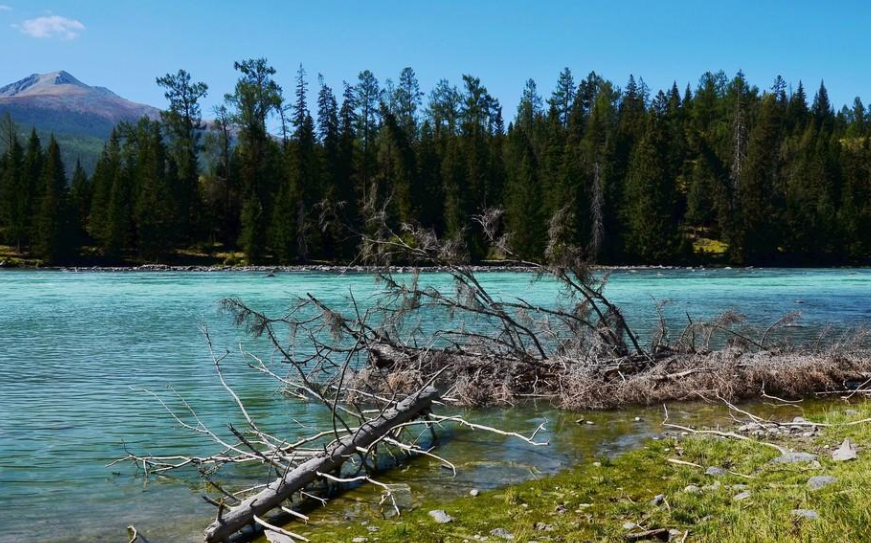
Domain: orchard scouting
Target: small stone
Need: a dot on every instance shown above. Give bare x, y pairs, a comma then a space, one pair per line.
638, 419
820, 481
845, 452
589, 422
799, 420
474, 492
795, 458
714, 471
805, 513
674, 533
440, 516
372, 528
741, 496
657, 500
543, 527
851, 413
692, 489
502, 532
629, 526
359, 540
597, 464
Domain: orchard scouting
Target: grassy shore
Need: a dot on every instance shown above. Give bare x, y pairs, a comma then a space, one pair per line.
616, 500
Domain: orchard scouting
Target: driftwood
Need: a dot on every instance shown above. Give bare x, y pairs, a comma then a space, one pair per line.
283, 488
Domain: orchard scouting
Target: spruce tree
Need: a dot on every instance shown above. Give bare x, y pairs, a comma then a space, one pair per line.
53, 239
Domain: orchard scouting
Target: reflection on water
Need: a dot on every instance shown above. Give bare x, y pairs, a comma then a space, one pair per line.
75, 344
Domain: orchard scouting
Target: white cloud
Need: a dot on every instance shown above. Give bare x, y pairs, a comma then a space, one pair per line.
4, 7
52, 26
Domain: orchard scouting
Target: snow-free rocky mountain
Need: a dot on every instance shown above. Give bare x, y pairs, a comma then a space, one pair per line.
58, 102
80, 116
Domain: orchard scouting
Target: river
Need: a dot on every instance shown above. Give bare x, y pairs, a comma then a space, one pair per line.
78, 350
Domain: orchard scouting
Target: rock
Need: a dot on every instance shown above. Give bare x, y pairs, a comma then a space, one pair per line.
628, 526
372, 528
359, 540
638, 419
502, 532
657, 500
714, 471
805, 513
795, 458
692, 489
851, 412
474, 492
673, 534
544, 527
820, 481
275, 537
845, 452
741, 496
440, 516
799, 420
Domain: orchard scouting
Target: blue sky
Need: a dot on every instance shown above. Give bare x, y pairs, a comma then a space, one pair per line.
125, 44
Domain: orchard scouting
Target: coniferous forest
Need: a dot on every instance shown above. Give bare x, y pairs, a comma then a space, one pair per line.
724, 171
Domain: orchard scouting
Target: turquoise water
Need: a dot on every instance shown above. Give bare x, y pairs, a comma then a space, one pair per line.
78, 348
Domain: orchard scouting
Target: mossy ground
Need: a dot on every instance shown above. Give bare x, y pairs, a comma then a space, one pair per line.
592, 502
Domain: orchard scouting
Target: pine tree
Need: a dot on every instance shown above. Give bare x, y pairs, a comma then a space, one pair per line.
13, 198
183, 123
53, 240
80, 203
652, 235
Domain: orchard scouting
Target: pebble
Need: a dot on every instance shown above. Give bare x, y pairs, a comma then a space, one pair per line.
805, 513
359, 540
714, 471
845, 452
657, 500
629, 526
440, 516
820, 481
543, 527
692, 489
474, 492
741, 496
795, 458
502, 532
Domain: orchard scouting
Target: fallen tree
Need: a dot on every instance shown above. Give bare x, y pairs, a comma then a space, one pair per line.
331, 460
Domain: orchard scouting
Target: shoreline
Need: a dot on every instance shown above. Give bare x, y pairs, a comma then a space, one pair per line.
343, 269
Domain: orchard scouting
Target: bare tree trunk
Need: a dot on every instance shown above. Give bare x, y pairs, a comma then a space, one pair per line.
306, 473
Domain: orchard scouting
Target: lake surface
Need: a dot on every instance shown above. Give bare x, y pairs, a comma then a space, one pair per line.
79, 348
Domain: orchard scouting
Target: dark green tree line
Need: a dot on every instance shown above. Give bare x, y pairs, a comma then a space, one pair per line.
637, 176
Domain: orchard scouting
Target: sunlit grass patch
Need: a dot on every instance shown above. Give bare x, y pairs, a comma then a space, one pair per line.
603, 501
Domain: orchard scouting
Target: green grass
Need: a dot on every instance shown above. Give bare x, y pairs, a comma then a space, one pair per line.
598, 498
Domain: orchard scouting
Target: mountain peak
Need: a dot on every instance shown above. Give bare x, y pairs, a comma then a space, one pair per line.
58, 102
40, 84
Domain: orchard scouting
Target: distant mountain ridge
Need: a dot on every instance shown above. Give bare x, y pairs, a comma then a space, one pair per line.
58, 102
79, 115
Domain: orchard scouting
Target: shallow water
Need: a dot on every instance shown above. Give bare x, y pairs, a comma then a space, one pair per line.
78, 348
